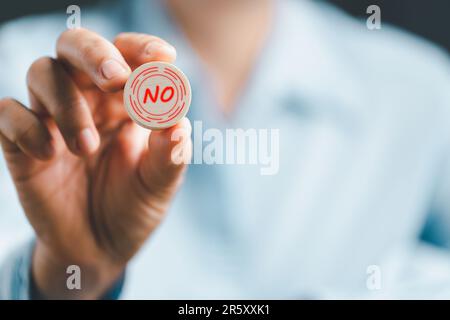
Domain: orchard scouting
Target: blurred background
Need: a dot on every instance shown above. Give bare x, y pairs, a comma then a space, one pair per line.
427, 18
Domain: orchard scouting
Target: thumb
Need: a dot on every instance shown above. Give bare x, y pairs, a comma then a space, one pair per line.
164, 162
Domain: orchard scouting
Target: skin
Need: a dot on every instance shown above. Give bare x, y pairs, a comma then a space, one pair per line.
93, 184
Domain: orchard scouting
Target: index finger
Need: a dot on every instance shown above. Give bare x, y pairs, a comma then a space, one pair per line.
87, 52
139, 48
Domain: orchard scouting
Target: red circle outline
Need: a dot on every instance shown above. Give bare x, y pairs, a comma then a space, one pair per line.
139, 89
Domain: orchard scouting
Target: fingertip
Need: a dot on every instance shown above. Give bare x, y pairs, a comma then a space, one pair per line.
173, 134
113, 75
87, 141
186, 123
160, 51
139, 48
182, 129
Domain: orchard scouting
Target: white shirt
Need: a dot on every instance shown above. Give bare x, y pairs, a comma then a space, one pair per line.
364, 129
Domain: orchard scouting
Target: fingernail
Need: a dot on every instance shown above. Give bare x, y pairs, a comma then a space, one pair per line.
87, 142
155, 47
112, 68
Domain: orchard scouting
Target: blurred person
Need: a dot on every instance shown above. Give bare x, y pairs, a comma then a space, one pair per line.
364, 129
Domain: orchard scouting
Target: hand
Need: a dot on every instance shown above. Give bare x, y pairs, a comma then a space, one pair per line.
92, 183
